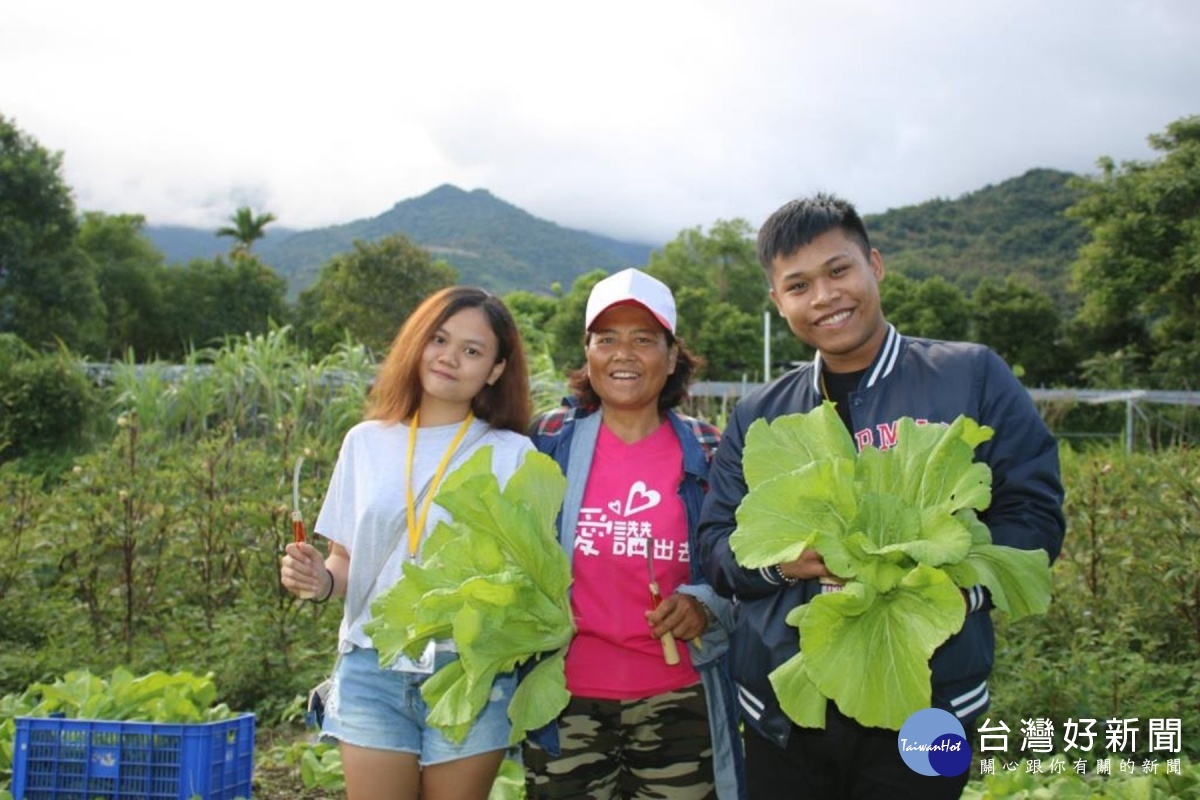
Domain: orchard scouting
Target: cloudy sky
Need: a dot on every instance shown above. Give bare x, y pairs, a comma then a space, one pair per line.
632, 118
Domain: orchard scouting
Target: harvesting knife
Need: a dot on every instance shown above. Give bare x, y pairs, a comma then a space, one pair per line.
297, 518
670, 650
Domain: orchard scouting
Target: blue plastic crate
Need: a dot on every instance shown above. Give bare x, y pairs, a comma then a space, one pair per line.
81, 759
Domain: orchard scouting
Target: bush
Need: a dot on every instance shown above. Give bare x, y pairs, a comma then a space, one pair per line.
159, 547
1122, 636
46, 402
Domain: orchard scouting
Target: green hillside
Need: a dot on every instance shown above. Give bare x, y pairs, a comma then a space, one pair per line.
490, 242
1015, 227
180, 244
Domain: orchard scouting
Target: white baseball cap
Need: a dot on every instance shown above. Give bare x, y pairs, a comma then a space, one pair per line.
632, 286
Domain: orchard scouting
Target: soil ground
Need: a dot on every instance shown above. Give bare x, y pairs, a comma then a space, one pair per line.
275, 780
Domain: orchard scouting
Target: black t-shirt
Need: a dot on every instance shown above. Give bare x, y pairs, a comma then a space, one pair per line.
837, 386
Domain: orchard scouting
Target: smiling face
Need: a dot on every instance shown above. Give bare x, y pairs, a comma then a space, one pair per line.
828, 291
628, 358
458, 361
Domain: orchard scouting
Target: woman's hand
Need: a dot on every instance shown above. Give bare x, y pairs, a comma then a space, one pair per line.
681, 615
303, 573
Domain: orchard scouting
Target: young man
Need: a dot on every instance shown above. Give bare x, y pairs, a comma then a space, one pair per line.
824, 278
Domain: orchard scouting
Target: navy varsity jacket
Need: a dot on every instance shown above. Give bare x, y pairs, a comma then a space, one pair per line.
927, 380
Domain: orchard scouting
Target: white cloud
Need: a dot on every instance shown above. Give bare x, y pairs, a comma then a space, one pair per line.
631, 119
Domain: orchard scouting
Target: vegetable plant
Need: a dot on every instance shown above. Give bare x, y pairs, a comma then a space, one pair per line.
179, 697
900, 527
495, 580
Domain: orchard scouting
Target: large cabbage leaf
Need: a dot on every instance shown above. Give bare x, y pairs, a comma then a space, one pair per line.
494, 579
900, 527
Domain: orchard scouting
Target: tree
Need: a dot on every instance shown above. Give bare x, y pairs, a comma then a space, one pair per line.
723, 260
1022, 325
368, 292
566, 325
728, 338
721, 294
131, 275
1140, 273
1013, 227
537, 308
208, 301
247, 228
47, 291
933, 308
532, 312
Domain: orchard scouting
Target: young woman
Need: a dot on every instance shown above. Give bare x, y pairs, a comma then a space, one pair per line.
454, 380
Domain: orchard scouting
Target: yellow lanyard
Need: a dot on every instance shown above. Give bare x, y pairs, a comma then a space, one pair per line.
417, 527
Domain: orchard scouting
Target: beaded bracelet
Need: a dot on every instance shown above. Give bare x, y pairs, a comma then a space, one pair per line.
779, 574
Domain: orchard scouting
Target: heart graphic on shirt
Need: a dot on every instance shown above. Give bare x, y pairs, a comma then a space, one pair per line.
614, 506
640, 498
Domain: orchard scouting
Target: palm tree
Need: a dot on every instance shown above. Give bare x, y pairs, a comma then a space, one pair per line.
246, 229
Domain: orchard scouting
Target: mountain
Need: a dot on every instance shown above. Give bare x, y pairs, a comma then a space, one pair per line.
490, 242
181, 244
1016, 227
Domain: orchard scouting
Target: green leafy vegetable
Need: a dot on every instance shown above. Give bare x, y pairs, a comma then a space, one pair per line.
900, 527
155, 697
159, 697
495, 580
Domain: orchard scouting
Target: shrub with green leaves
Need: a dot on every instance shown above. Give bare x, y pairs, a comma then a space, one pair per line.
46, 402
1122, 636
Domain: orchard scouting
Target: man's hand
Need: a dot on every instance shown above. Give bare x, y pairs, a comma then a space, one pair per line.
810, 564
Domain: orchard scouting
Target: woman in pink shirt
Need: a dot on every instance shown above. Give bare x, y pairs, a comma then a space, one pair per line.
651, 711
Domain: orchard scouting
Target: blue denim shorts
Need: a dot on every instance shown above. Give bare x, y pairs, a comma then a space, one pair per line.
380, 708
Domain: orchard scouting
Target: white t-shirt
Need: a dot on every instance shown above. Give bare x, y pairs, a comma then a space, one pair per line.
365, 508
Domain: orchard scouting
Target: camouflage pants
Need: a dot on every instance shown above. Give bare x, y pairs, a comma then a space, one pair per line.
658, 747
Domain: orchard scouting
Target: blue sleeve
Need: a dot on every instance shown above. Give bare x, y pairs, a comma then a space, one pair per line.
726, 488
1027, 493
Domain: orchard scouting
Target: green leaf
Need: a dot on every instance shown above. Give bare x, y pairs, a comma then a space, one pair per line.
943, 538
454, 700
857, 557
540, 696
798, 696
896, 630
1018, 580
877, 472
935, 464
776, 522
509, 783
530, 502
952, 477
979, 532
792, 441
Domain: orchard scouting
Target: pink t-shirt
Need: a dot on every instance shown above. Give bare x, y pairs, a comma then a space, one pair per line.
632, 494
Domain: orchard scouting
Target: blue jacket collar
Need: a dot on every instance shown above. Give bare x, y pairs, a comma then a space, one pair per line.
695, 463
